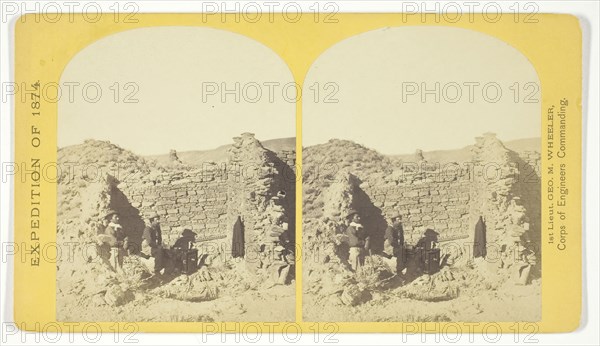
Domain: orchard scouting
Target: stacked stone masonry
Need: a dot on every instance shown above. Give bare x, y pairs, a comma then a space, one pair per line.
497, 184
440, 205
209, 199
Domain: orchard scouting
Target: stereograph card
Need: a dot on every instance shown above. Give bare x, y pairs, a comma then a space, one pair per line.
372, 172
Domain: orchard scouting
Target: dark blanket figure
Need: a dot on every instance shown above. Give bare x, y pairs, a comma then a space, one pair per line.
479, 242
237, 246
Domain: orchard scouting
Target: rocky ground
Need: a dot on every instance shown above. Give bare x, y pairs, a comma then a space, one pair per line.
206, 296
453, 294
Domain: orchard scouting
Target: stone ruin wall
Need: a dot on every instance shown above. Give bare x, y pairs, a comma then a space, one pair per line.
209, 199
288, 157
194, 199
426, 200
450, 200
257, 175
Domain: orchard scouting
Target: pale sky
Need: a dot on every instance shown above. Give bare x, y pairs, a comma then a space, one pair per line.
171, 66
370, 71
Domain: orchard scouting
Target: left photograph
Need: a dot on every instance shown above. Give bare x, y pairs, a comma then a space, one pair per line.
176, 193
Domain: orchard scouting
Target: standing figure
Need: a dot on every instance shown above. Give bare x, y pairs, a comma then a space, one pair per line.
479, 242
394, 235
358, 240
152, 239
115, 237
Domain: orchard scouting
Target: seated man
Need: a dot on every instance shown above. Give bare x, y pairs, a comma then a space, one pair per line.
183, 253
188, 238
427, 252
429, 240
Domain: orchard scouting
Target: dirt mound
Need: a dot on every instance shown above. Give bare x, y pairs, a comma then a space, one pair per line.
101, 155
321, 162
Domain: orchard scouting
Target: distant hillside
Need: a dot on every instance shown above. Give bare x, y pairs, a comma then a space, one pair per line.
464, 154
280, 144
525, 144
219, 154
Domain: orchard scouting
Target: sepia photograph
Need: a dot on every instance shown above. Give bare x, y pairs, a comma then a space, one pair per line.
176, 199
421, 180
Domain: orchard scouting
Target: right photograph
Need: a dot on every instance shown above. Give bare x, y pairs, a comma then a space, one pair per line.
421, 182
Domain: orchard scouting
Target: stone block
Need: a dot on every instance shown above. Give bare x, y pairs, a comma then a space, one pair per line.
438, 208
454, 224
168, 194
413, 193
184, 209
441, 216
427, 209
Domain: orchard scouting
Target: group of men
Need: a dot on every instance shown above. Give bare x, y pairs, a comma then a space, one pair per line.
359, 241
117, 241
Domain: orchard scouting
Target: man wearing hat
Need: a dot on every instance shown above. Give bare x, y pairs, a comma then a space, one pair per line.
427, 247
115, 237
152, 237
183, 252
429, 240
188, 237
358, 240
394, 236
